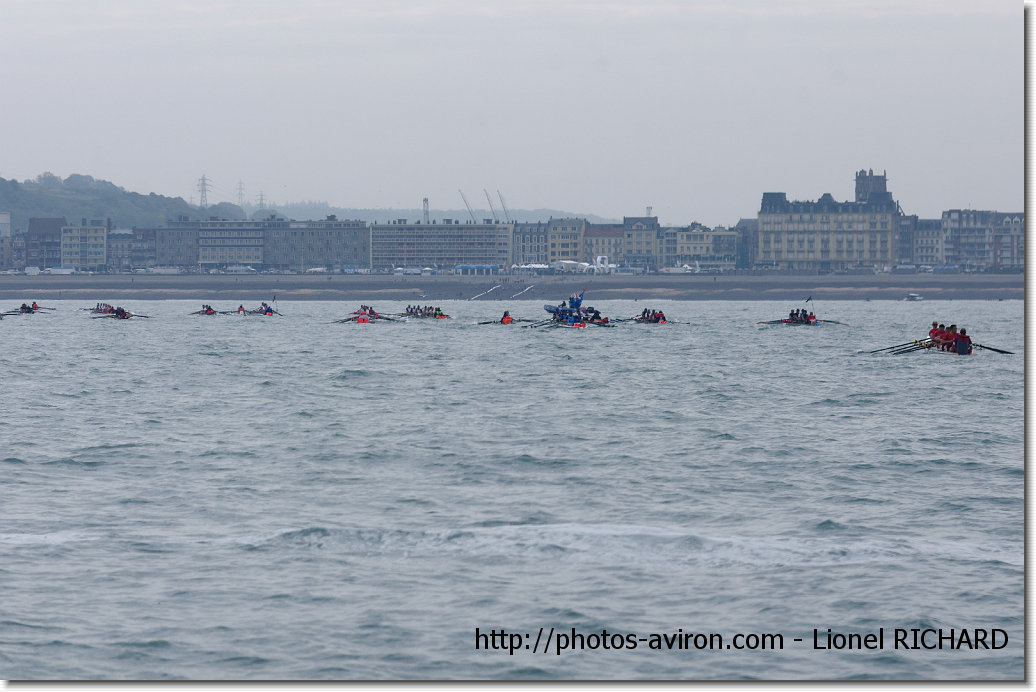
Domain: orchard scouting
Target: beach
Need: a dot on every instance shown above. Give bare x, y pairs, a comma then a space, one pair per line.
371, 288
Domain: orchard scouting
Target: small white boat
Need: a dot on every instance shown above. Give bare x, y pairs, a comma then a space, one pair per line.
913, 296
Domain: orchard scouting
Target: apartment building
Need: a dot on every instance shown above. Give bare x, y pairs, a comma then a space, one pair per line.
565, 240
979, 239
1009, 243
642, 244
227, 243
441, 245
926, 243
699, 245
85, 247
120, 250
40, 245
329, 244
144, 253
530, 243
604, 240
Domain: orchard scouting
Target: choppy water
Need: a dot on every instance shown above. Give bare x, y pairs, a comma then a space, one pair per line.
282, 498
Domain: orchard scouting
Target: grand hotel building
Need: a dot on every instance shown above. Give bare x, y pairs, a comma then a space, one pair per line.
827, 234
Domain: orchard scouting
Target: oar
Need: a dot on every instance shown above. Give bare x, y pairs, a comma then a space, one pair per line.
990, 348
889, 348
920, 347
914, 344
835, 322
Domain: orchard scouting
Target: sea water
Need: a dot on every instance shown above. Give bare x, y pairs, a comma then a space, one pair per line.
287, 497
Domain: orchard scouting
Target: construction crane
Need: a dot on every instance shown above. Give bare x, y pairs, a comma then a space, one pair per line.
507, 214
473, 219
492, 209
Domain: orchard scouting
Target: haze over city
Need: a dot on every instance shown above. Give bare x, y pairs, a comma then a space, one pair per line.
692, 108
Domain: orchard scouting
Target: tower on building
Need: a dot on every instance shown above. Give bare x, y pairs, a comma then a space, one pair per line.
870, 187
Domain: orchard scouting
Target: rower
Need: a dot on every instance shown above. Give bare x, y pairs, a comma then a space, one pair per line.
240, 309
937, 334
506, 319
962, 344
35, 307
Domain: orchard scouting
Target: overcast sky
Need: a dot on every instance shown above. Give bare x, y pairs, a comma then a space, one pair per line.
692, 107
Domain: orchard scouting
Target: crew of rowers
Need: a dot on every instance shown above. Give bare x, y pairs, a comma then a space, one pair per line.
263, 309
105, 308
119, 313
578, 315
207, 310
801, 316
425, 311
949, 339
367, 310
26, 309
656, 316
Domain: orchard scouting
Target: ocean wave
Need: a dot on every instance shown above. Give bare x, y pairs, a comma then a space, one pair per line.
833, 543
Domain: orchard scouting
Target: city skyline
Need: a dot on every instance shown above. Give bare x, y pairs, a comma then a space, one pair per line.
694, 109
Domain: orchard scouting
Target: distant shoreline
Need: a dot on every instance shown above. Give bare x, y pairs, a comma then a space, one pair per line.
429, 289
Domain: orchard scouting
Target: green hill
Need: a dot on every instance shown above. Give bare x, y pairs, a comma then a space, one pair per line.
81, 196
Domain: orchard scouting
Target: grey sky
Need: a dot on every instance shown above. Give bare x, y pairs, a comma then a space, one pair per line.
692, 107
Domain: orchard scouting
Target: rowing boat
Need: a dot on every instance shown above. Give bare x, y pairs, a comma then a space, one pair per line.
792, 323
367, 319
576, 316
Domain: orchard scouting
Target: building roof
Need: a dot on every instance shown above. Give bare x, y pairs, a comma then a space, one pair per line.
604, 231
46, 226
